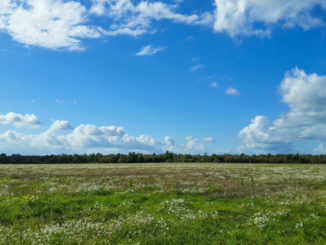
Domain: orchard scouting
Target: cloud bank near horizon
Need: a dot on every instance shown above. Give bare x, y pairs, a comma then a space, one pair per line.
61, 137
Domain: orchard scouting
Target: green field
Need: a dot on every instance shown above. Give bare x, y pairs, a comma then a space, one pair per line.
163, 204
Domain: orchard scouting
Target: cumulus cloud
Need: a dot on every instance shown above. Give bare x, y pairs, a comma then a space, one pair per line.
149, 50
169, 140
53, 24
232, 91
305, 95
89, 138
19, 120
256, 17
195, 145
60, 125
261, 136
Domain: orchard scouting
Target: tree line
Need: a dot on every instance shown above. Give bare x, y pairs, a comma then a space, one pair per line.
133, 157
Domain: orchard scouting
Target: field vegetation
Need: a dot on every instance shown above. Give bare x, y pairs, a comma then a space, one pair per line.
162, 204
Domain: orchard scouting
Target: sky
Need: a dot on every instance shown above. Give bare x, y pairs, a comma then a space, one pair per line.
109, 76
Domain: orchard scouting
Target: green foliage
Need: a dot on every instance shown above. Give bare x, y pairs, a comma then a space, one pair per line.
167, 157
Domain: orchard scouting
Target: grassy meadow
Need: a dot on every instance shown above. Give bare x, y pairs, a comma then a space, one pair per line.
163, 204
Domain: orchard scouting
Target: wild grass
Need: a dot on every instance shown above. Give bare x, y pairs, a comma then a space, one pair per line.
163, 204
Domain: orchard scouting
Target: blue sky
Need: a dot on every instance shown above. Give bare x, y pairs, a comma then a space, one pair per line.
149, 76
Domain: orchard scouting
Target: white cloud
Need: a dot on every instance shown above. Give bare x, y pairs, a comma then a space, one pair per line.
63, 24
241, 17
59, 101
88, 138
136, 19
60, 125
305, 94
232, 91
194, 145
149, 50
169, 141
209, 140
320, 149
261, 136
214, 85
19, 120
196, 67
53, 24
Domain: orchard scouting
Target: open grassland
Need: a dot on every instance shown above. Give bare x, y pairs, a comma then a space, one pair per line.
163, 204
